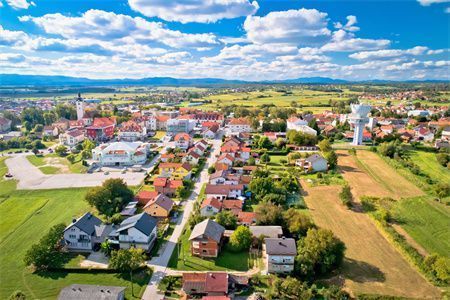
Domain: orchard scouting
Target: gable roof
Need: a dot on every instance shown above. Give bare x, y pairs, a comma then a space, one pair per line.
161, 200
145, 196
232, 204
280, 246
142, 222
314, 158
88, 292
86, 223
209, 228
211, 201
267, 231
208, 282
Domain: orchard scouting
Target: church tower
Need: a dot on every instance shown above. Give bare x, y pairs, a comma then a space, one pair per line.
80, 107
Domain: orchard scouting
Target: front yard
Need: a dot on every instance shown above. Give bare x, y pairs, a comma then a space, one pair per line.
53, 164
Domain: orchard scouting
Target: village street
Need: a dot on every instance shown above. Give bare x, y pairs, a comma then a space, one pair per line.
159, 264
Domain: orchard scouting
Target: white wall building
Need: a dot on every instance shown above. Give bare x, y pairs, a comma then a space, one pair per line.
139, 231
121, 154
72, 138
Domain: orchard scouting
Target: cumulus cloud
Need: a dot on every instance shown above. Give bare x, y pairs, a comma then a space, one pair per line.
429, 2
301, 27
20, 4
349, 26
12, 38
102, 25
200, 11
11, 58
306, 54
344, 41
389, 53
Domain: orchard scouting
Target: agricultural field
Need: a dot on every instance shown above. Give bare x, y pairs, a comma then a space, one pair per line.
429, 165
426, 221
367, 174
27, 215
372, 265
53, 164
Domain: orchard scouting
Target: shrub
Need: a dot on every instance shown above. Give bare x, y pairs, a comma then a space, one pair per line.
346, 196
241, 239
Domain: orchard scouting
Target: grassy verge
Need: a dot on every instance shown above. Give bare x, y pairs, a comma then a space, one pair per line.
53, 164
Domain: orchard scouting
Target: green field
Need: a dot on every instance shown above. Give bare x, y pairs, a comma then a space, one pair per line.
430, 166
53, 164
182, 259
27, 215
427, 222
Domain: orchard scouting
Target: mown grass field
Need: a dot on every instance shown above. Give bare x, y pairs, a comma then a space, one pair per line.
429, 165
367, 174
372, 265
53, 164
427, 222
27, 215
182, 259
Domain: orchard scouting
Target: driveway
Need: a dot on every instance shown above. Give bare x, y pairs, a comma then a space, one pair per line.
159, 264
30, 177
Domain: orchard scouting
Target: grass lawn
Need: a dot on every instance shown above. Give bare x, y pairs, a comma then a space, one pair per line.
226, 260
6, 186
427, 222
27, 215
429, 165
53, 164
159, 135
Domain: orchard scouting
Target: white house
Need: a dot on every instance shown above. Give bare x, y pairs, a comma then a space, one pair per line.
83, 233
72, 137
182, 140
210, 207
120, 154
139, 231
131, 131
293, 123
224, 191
313, 163
191, 157
305, 129
238, 125
280, 253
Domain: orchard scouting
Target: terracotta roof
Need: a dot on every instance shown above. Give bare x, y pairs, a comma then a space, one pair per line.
144, 196
182, 135
232, 204
209, 282
247, 217
222, 189
103, 122
211, 201
239, 121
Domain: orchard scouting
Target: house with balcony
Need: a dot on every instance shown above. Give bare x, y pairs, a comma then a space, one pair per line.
167, 186
280, 254
139, 231
177, 171
72, 137
206, 238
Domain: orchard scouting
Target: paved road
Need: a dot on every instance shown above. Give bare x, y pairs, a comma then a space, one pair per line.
159, 264
31, 178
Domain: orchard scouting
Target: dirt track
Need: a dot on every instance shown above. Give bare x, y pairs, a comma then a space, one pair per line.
372, 266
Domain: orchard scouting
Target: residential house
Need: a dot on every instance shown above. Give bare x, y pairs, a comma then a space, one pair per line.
294, 123
143, 197
238, 125
139, 231
224, 177
446, 134
280, 254
51, 131
236, 148
306, 130
210, 207
88, 291
167, 186
175, 126
102, 129
266, 231
191, 157
84, 233
211, 131
72, 137
225, 158
121, 154
159, 207
5, 124
223, 191
208, 283
178, 171
235, 206
161, 122
62, 124
246, 218
313, 163
131, 131
183, 140
424, 134
205, 238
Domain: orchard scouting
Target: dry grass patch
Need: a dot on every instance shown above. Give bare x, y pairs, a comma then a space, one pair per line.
369, 175
372, 265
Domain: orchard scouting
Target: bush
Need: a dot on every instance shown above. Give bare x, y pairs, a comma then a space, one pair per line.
241, 239
346, 196
439, 266
17, 295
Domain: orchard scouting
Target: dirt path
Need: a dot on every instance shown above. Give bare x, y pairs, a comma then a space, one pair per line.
372, 264
369, 175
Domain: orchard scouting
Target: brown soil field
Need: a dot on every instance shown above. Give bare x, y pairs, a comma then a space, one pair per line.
367, 174
372, 265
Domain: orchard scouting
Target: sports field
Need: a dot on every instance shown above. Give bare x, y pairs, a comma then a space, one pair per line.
367, 174
372, 264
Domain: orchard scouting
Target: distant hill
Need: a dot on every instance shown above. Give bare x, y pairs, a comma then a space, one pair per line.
50, 80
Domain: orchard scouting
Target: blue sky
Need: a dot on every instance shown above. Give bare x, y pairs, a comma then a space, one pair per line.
233, 39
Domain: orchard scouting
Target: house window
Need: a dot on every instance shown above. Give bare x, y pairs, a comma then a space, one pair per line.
204, 251
72, 229
72, 236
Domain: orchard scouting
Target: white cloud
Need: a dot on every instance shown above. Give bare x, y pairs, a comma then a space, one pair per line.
101, 25
12, 38
350, 25
20, 4
300, 27
344, 41
437, 51
389, 53
306, 54
11, 58
201, 11
429, 2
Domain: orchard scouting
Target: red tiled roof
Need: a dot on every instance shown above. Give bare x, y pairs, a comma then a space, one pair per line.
212, 202
246, 217
232, 204
144, 197
182, 135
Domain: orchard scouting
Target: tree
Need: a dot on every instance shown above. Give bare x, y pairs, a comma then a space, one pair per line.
106, 248
443, 159
291, 288
88, 146
127, 261
325, 145
261, 186
297, 222
241, 239
277, 198
61, 150
332, 159
38, 128
268, 213
318, 253
346, 196
265, 158
46, 253
264, 143
439, 266
251, 161
280, 143
71, 158
211, 169
110, 197
227, 219
442, 190
17, 295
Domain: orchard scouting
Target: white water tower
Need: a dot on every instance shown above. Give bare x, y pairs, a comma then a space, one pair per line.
80, 107
359, 119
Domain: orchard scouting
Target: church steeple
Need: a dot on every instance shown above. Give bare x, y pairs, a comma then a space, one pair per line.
80, 107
